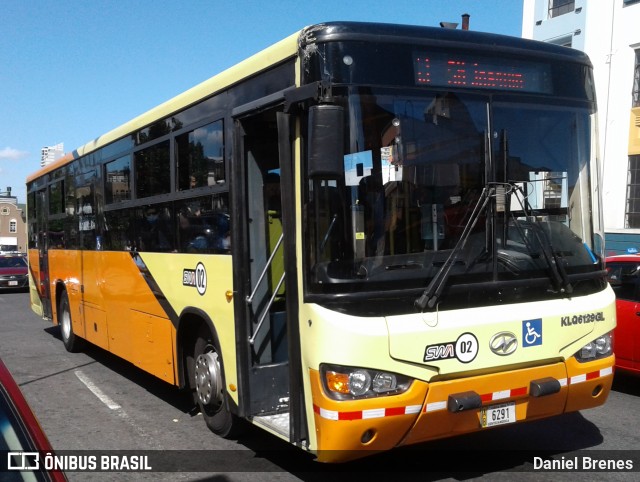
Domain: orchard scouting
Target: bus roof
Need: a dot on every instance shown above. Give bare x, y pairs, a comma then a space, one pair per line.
324, 32
433, 36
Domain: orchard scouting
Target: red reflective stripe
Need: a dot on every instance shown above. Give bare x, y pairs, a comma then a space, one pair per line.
394, 411
592, 375
517, 392
350, 415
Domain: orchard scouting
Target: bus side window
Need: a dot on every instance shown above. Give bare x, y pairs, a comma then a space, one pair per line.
86, 216
154, 231
204, 224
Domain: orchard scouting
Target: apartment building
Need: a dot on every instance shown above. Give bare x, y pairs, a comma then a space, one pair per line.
608, 32
13, 231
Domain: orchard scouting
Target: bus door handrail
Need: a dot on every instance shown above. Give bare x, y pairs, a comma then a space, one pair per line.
265, 312
249, 299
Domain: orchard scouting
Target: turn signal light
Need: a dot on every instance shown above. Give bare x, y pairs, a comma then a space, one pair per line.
337, 382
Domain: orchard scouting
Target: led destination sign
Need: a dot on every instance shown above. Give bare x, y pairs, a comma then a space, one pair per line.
479, 72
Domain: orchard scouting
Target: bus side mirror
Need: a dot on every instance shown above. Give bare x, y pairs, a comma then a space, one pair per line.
326, 141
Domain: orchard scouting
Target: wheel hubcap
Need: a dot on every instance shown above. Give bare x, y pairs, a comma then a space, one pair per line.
66, 325
208, 379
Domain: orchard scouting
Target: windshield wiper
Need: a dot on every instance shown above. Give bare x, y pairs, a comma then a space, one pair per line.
558, 273
433, 291
328, 233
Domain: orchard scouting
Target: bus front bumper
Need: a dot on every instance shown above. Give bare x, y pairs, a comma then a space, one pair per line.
348, 430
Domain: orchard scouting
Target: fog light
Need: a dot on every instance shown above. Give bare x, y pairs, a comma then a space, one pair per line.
367, 436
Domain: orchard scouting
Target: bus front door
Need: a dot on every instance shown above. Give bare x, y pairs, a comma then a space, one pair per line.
265, 210
43, 259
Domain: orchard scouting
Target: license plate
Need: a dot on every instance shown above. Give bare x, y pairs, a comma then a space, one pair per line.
498, 414
13, 283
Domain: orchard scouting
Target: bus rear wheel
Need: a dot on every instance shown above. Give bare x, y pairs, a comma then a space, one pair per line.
71, 342
210, 388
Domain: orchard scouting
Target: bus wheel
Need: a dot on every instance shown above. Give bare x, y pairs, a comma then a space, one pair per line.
71, 342
210, 388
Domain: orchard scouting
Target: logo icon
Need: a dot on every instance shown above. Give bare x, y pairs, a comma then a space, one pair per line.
532, 332
503, 343
23, 460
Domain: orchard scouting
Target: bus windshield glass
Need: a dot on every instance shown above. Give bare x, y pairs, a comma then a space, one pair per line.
509, 176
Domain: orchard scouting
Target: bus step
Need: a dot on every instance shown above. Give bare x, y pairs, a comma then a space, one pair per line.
278, 423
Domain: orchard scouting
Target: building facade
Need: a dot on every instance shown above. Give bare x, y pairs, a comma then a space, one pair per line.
608, 31
51, 153
13, 227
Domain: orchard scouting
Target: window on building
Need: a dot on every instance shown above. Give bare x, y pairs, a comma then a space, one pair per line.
560, 7
13, 226
566, 41
636, 81
632, 214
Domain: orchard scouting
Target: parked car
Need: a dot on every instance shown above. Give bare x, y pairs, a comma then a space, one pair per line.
14, 272
623, 272
23, 443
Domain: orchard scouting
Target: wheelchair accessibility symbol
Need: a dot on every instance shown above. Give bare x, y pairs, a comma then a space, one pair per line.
532, 332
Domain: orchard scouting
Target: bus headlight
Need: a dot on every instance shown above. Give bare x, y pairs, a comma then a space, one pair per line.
349, 383
599, 348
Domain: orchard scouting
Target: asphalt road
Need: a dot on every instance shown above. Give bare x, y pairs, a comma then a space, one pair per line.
93, 401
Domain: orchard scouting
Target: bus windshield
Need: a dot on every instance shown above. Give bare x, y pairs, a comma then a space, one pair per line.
423, 171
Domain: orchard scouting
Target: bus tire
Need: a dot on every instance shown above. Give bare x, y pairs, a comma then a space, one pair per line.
210, 392
71, 342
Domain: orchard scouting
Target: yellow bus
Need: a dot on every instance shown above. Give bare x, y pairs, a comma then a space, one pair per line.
364, 237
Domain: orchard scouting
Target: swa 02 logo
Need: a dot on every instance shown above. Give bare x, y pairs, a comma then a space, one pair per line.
196, 278
465, 349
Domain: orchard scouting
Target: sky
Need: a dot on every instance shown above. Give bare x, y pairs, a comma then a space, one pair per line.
72, 70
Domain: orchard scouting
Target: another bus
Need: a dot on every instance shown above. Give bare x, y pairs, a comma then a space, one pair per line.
364, 237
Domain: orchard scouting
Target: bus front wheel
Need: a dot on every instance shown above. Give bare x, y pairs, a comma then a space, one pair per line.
210, 388
71, 342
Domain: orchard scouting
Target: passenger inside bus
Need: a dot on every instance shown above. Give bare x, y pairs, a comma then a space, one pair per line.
203, 231
154, 233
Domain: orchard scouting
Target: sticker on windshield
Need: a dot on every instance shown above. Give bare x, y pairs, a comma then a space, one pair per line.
465, 349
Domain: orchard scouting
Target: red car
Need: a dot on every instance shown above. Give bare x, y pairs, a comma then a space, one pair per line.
623, 272
14, 272
22, 440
